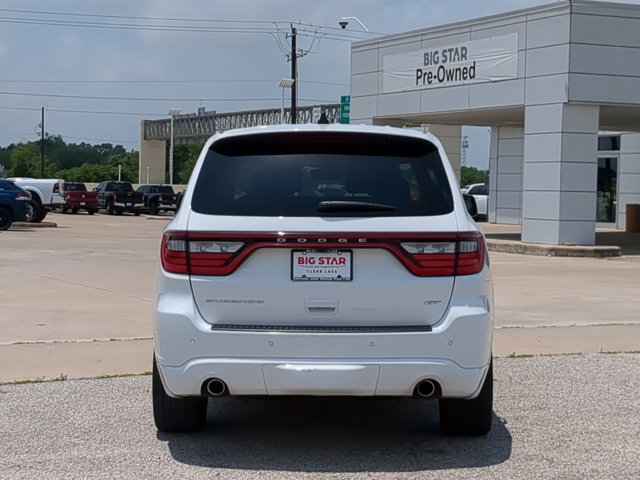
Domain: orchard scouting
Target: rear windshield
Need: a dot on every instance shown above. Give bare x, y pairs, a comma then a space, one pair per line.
165, 189
322, 174
8, 186
119, 187
75, 187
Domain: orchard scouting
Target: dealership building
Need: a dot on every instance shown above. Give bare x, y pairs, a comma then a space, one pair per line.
558, 84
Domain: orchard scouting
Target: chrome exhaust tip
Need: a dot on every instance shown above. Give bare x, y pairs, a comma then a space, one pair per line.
216, 387
426, 389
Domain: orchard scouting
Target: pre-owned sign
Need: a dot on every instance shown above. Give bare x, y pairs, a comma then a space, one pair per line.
484, 60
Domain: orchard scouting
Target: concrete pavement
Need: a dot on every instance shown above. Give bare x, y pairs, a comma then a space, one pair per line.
76, 300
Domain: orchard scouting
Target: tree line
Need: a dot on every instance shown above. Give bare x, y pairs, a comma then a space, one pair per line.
84, 162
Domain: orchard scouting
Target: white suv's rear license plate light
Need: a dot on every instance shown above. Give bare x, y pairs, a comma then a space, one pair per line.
321, 265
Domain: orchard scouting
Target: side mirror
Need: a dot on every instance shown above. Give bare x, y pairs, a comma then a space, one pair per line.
470, 203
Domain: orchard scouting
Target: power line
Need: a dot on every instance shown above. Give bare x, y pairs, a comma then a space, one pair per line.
99, 139
153, 99
333, 34
315, 82
133, 17
92, 112
134, 26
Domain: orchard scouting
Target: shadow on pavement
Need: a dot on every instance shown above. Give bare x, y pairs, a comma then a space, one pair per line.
333, 435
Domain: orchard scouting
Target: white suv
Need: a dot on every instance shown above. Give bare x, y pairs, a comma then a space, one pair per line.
323, 260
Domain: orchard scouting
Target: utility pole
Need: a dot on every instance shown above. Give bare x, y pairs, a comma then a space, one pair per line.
42, 144
294, 75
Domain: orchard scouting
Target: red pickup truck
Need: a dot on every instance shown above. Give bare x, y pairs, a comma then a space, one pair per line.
76, 197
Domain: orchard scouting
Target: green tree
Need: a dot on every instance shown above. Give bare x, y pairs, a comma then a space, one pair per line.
469, 175
128, 163
26, 162
184, 159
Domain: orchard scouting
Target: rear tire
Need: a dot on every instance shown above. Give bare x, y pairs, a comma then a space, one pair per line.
176, 415
74, 210
153, 209
63, 209
469, 417
110, 208
6, 218
38, 212
91, 211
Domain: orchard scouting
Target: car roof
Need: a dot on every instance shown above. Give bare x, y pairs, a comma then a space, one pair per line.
332, 127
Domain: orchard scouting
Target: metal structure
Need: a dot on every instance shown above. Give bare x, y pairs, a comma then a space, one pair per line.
194, 128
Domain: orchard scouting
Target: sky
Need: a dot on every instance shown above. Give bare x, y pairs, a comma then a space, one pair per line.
142, 57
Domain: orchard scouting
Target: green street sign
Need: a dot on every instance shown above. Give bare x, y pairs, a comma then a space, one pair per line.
345, 108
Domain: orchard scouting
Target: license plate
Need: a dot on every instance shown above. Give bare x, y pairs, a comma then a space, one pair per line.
82, 204
129, 204
316, 265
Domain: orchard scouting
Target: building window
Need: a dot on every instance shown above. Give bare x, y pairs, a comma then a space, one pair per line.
608, 143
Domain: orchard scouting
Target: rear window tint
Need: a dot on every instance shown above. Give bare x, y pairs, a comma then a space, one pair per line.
8, 186
119, 187
75, 187
291, 174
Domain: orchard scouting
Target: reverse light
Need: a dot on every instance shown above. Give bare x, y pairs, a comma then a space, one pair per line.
429, 247
214, 247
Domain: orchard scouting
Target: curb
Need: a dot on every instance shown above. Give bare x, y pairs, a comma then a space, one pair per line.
27, 225
506, 246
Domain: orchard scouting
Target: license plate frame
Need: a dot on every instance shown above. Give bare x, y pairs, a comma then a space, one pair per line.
325, 270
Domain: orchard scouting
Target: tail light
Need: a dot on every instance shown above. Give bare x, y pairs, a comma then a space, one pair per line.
160, 199
461, 255
198, 256
23, 196
424, 255
113, 196
56, 188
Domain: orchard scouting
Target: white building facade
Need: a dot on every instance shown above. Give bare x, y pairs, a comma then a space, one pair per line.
557, 84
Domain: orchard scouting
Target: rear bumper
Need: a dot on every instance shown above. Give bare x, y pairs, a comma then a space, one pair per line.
81, 204
456, 354
365, 377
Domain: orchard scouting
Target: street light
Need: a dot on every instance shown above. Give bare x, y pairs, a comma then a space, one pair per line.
344, 21
173, 112
284, 83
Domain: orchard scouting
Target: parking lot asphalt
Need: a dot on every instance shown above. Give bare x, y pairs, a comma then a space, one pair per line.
558, 417
76, 302
77, 299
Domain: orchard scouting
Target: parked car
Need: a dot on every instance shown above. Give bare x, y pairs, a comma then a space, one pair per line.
46, 195
480, 193
158, 198
14, 204
76, 198
118, 197
271, 285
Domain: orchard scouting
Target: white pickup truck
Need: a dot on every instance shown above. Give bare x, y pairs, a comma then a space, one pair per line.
46, 194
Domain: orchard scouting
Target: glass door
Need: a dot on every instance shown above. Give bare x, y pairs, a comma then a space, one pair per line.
607, 189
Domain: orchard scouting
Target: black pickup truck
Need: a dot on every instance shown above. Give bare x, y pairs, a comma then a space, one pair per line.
158, 198
118, 197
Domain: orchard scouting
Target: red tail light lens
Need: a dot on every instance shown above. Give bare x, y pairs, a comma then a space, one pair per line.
23, 196
56, 188
174, 252
461, 255
196, 255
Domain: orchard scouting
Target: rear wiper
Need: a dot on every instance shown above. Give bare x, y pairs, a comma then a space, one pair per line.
353, 206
